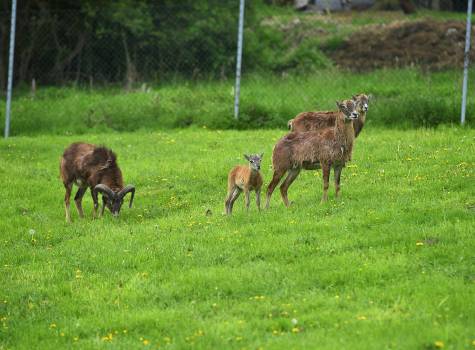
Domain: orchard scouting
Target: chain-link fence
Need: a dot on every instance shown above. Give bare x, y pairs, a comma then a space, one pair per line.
103, 46
292, 62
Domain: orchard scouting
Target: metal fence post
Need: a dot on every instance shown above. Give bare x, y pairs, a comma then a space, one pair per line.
10, 69
238, 60
466, 60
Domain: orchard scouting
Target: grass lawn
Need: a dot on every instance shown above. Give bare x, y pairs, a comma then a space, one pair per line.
388, 266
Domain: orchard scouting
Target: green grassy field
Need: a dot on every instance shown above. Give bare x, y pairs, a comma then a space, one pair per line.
388, 266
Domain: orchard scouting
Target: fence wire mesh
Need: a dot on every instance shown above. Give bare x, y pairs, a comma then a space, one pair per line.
191, 45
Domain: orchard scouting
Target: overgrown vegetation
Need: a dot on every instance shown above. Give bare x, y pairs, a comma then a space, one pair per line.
402, 99
390, 265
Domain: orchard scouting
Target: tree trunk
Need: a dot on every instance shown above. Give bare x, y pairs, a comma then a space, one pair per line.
60, 65
131, 72
3, 51
407, 6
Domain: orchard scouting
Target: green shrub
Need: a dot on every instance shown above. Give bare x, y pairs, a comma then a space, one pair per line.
402, 99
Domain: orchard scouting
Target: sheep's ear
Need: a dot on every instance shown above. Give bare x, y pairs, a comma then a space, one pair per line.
262, 155
370, 97
247, 157
355, 98
338, 104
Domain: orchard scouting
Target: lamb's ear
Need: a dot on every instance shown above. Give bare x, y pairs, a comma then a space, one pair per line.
262, 155
338, 104
370, 97
247, 157
355, 98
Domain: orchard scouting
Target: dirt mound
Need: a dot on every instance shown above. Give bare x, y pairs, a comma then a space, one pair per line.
432, 45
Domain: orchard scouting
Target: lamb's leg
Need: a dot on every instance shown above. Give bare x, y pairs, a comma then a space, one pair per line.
78, 200
258, 199
248, 198
326, 176
337, 175
227, 203
272, 185
234, 196
291, 176
67, 196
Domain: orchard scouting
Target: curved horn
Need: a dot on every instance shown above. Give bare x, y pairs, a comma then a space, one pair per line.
104, 189
127, 189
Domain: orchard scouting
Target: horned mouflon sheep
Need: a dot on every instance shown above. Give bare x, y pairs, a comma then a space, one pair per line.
95, 167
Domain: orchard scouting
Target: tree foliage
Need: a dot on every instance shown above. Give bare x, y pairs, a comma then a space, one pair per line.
120, 41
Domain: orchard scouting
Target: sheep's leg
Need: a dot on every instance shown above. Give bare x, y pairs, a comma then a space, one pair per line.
272, 185
291, 176
67, 196
337, 175
234, 196
96, 203
103, 205
258, 199
326, 176
78, 200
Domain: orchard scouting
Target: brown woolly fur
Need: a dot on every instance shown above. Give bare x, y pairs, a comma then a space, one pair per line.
244, 179
325, 148
308, 121
88, 165
312, 121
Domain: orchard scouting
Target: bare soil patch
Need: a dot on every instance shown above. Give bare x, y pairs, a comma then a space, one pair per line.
433, 45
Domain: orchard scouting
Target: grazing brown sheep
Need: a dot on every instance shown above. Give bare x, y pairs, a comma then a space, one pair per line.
94, 167
325, 148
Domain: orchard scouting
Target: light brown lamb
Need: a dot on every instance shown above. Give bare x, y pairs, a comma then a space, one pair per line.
325, 148
308, 121
245, 178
